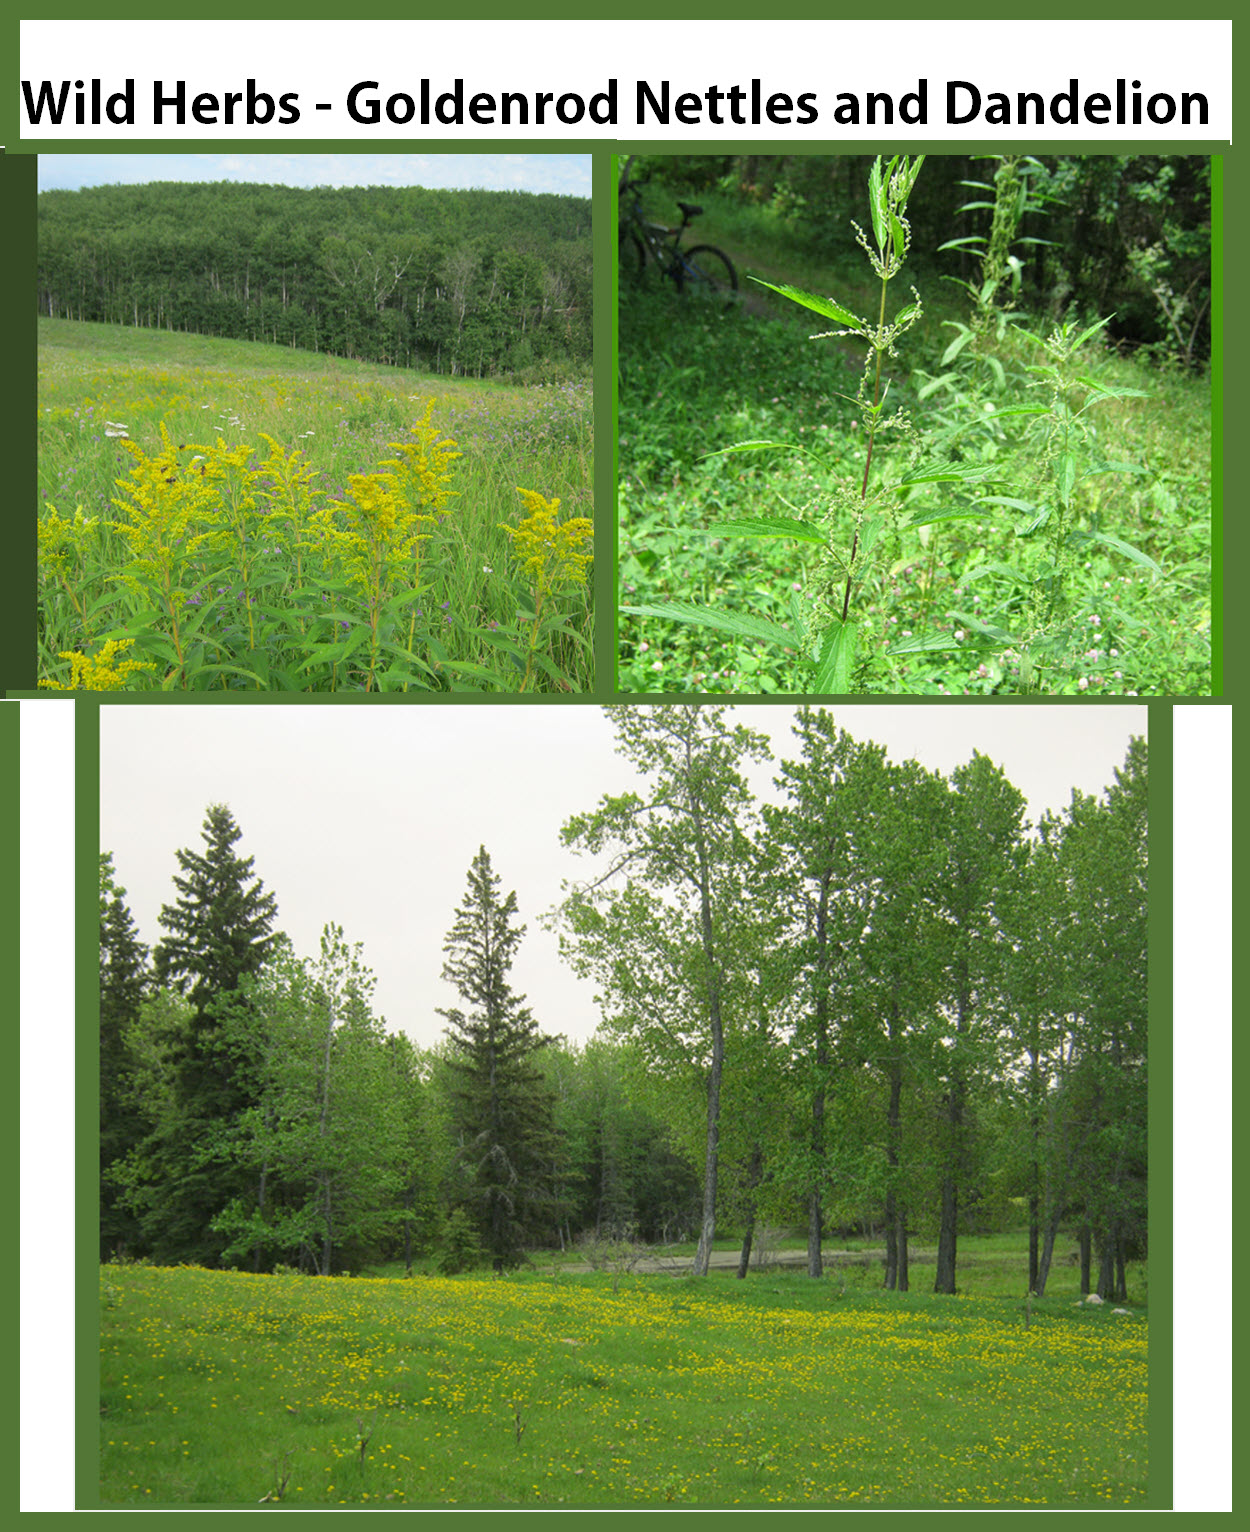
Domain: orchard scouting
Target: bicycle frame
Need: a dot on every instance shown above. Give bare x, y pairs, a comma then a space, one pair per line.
661, 242
701, 267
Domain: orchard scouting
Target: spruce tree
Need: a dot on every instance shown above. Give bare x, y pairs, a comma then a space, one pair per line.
220, 930
502, 1109
123, 985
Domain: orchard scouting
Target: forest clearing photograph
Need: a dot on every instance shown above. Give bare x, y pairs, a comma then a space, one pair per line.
749, 1111
933, 425
302, 437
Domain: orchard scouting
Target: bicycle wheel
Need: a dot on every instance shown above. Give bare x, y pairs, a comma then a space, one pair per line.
707, 270
630, 257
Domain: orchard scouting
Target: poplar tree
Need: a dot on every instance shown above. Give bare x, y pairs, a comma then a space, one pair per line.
666, 928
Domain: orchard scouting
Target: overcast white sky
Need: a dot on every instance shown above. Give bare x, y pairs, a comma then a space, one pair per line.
370, 816
567, 174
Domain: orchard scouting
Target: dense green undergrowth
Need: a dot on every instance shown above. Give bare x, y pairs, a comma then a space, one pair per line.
1109, 530
544, 1389
226, 515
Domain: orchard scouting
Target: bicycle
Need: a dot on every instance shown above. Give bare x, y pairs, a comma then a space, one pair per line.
700, 269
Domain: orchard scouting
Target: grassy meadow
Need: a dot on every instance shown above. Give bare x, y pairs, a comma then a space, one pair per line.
231, 515
1081, 566
548, 1389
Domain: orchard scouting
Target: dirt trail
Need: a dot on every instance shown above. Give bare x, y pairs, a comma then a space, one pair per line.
722, 1260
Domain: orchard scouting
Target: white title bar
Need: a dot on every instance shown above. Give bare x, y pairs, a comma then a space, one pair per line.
801, 81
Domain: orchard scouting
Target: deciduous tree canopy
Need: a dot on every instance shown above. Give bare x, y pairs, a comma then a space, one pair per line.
462, 282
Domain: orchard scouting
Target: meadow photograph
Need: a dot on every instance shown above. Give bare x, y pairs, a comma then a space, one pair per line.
916, 425
751, 1114
315, 424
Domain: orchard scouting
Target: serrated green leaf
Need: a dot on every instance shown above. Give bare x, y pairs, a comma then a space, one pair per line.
935, 383
767, 526
949, 473
877, 203
757, 628
956, 346
1093, 330
922, 642
1026, 506
1127, 549
985, 629
926, 518
825, 306
837, 660
1065, 478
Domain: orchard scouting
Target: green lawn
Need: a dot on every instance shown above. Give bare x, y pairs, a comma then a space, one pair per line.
546, 1390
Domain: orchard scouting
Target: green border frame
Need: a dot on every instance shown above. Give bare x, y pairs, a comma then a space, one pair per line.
17, 262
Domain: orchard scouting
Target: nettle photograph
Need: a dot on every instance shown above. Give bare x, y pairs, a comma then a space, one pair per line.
315, 423
751, 1114
915, 424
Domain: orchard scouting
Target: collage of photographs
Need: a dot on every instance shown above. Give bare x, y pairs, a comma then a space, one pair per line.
611, 698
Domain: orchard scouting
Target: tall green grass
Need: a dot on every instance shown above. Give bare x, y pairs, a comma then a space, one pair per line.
545, 1390
342, 416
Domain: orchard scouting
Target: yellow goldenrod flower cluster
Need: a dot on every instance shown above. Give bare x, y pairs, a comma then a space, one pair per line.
379, 530
166, 516
551, 553
103, 672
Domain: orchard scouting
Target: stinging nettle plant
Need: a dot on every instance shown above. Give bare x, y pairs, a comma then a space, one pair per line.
1025, 472
855, 518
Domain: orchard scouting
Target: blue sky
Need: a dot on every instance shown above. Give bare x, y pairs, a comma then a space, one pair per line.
568, 174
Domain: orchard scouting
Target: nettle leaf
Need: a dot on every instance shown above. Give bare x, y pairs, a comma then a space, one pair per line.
825, 306
922, 641
957, 345
1127, 549
877, 204
926, 518
949, 473
934, 384
837, 659
757, 628
767, 526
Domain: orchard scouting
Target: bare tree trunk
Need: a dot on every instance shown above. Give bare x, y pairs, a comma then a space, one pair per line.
707, 1229
815, 1228
753, 1180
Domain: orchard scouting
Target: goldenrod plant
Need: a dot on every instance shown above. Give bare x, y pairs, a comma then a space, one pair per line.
551, 557
301, 566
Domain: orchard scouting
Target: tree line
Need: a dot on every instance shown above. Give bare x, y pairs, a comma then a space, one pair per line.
472, 283
878, 1001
